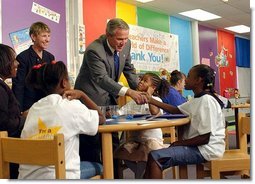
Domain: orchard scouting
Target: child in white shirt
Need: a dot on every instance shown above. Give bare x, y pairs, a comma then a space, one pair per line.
54, 114
202, 139
135, 151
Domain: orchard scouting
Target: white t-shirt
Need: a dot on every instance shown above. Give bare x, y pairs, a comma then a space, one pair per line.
52, 115
144, 134
206, 116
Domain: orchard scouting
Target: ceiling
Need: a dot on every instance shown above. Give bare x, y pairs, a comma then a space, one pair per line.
234, 12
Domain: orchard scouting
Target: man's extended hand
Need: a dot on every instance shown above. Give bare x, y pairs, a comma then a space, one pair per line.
137, 96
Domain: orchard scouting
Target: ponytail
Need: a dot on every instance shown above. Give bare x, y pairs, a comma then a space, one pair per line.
208, 76
46, 77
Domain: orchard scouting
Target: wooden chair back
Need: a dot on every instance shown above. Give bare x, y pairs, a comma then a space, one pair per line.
33, 152
244, 130
168, 135
234, 161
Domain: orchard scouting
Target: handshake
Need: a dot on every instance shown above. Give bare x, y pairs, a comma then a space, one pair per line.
140, 97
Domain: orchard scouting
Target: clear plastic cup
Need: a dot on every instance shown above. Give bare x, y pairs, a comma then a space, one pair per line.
110, 111
114, 110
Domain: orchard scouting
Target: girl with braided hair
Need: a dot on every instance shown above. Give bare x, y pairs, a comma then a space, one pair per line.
135, 151
60, 111
203, 139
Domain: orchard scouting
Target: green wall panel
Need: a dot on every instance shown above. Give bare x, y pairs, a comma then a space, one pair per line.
152, 20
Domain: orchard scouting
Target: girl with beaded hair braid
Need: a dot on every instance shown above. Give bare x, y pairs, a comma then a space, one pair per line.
135, 150
60, 111
203, 139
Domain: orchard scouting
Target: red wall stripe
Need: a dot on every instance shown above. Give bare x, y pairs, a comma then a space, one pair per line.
226, 43
95, 15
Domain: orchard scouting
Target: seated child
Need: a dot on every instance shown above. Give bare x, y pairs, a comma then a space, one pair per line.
135, 151
202, 139
174, 97
60, 112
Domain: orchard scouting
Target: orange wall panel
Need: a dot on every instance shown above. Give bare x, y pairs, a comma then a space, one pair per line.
95, 15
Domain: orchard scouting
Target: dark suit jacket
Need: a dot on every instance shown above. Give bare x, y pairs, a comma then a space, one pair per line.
10, 119
97, 77
27, 59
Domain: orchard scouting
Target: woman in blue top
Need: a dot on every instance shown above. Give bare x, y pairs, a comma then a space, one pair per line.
174, 96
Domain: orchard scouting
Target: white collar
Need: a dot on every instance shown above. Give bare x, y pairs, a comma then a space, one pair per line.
112, 49
1, 79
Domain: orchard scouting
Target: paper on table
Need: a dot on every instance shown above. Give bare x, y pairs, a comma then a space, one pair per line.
168, 116
149, 121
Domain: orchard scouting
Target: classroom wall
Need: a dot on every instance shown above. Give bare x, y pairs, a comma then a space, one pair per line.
17, 15
208, 50
182, 28
226, 61
152, 20
127, 12
209, 39
95, 15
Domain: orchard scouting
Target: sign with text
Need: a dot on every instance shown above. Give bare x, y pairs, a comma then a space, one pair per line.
45, 12
153, 50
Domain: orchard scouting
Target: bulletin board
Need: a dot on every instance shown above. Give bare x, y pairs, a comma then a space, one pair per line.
19, 15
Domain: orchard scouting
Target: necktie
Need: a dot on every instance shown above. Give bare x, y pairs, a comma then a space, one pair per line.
116, 63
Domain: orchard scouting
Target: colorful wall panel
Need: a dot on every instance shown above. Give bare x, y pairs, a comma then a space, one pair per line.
17, 15
182, 28
152, 20
126, 12
95, 15
243, 58
226, 60
208, 50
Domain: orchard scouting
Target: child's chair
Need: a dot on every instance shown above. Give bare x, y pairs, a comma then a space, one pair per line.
234, 161
30, 151
169, 136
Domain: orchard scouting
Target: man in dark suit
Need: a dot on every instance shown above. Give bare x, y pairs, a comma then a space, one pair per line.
98, 78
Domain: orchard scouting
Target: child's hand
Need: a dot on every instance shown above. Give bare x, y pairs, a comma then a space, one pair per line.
137, 96
150, 91
73, 94
147, 97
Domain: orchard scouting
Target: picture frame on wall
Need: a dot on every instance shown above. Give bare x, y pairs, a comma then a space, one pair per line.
20, 40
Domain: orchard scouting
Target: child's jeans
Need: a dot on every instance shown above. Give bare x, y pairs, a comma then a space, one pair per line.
90, 169
177, 155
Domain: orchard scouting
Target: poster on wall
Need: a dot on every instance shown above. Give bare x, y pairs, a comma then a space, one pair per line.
153, 50
81, 38
20, 40
45, 12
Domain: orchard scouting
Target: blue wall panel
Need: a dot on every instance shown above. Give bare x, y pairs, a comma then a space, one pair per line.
182, 28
